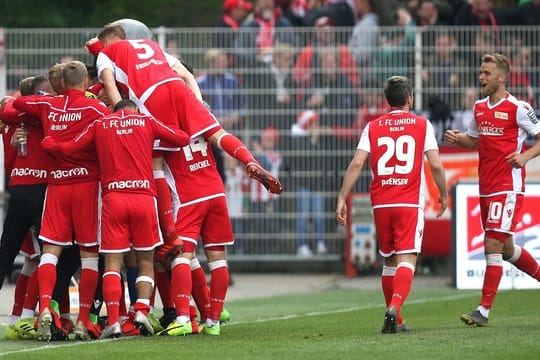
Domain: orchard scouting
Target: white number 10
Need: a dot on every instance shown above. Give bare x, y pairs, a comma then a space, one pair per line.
403, 149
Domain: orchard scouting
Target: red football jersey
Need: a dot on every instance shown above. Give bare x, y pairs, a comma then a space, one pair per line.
397, 142
124, 142
139, 66
10, 152
63, 118
194, 169
144, 72
33, 168
501, 130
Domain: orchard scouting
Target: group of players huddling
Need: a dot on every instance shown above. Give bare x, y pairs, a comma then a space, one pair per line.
132, 185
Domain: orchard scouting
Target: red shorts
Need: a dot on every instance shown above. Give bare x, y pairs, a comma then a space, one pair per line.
129, 220
30, 246
70, 214
501, 212
399, 229
208, 220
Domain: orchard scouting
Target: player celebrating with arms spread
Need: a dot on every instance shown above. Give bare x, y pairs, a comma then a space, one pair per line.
499, 128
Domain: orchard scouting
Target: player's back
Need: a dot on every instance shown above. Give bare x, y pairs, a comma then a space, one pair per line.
63, 118
194, 165
397, 142
124, 143
140, 65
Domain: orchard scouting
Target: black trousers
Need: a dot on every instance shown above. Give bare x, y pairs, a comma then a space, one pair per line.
25, 209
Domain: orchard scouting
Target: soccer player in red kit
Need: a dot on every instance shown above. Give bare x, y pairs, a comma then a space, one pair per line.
124, 142
203, 214
397, 143
142, 70
500, 126
71, 201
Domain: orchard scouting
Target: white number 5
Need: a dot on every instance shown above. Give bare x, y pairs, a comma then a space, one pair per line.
403, 149
144, 51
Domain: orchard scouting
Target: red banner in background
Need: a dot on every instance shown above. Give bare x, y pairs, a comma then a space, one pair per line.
460, 165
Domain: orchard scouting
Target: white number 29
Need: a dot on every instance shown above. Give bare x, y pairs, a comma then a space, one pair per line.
403, 149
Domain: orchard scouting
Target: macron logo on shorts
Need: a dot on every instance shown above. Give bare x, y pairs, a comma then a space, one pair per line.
129, 184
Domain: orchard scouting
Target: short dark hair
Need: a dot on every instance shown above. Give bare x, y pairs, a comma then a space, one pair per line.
124, 103
397, 90
37, 81
25, 86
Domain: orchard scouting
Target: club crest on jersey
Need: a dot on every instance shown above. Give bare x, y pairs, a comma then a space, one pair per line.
501, 115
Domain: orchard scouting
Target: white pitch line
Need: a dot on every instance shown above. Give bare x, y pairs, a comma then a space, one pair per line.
286, 317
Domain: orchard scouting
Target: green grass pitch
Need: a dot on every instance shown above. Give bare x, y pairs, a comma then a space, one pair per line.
341, 324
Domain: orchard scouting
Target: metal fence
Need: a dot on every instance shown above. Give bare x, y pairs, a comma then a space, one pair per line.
299, 99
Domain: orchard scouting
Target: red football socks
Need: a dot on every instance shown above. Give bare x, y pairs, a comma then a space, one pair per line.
112, 295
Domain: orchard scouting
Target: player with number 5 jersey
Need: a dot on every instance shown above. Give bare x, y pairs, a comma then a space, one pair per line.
397, 143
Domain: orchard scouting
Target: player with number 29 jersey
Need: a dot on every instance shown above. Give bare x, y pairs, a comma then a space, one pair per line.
397, 142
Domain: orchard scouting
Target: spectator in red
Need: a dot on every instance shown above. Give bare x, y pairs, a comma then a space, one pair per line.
308, 59
372, 106
260, 32
483, 14
234, 13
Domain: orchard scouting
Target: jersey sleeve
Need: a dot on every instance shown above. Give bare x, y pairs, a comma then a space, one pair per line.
170, 59
82, 141
472, 129
527, 119
103, 62
364, 144
29, 104
176, 137
11, 116
430, 142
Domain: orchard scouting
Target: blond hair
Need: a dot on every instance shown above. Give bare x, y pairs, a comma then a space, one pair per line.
499, 60
55, 77
74, 74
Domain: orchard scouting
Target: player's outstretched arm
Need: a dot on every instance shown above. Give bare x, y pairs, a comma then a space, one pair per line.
238, 150
188, 78
454, 137
109, 84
